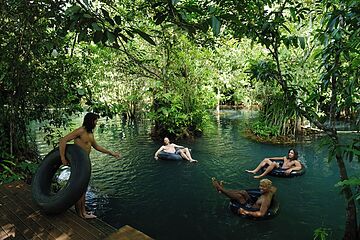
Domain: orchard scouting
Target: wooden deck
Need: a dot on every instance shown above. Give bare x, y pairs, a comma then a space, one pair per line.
21, 219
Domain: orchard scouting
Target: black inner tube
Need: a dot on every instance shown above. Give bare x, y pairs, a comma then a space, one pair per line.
255, 194
53, 203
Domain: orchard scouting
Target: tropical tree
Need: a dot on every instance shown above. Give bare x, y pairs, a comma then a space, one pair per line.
171, 74
265, 22
37, 78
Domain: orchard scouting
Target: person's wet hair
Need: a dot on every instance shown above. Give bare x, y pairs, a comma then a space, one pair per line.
295, 153
89, 121
266, 183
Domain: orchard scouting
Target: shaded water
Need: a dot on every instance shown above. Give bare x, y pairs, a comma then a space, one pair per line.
175, 200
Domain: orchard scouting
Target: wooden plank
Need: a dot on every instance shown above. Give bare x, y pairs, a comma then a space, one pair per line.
7, 230
102, 226
10, 230
17, 211
23, 192
47, 228
3, 233
23, 219
69, 220
12, 219
25, 215
128, 233
62, 221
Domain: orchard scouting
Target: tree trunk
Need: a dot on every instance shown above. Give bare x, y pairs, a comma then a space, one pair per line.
351, 228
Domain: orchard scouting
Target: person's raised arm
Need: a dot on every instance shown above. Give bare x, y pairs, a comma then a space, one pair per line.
104, 150
64, 140
177, 146
157, 152
276, 158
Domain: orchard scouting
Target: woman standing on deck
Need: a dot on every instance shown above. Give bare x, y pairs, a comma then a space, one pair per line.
83, 137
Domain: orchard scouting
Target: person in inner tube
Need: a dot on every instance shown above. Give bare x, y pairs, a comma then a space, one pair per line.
173, 148
84, 137
291, 163
262, 203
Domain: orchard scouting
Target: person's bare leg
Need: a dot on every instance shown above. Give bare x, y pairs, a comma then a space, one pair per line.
78, 206
268, 169
188, 154
80, 209
184, 156
239, 195
261, 164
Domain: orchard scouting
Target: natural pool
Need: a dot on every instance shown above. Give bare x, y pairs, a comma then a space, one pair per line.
175, 200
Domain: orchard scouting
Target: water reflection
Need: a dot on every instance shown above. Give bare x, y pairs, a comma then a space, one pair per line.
175, 200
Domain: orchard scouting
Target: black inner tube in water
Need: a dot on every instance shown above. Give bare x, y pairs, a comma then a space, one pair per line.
280, 172
169, 156
255, 194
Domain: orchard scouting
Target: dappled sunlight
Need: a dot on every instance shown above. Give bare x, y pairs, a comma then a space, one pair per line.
22, 219
8, 231
63, 237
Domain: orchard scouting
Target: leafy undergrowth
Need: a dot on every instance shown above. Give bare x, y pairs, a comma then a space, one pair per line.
10, 170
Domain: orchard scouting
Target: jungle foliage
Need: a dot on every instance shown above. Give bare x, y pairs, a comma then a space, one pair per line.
172, 61
37, 80
334, 43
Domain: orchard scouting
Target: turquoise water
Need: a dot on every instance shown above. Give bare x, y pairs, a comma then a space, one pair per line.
175, 200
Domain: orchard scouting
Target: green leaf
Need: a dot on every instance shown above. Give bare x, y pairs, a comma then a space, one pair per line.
355, 151
110, 36
129, 33
105, 13
104, 38
98, 35
160, 18
174, 2
95, 26
295, 42
286, 28
145, 36
117, 19
124, 37
73, 9
82, 36
215, 25
112, 23
302, 42
332, 24
117, 31
292, 12
350, 182
81, 91
8, 161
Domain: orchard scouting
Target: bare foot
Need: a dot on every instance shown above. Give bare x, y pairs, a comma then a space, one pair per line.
221, 183
193, 160
89, 216
259, 176
250, 171
218, 186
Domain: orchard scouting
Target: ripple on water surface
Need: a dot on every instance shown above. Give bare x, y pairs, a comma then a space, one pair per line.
176, 200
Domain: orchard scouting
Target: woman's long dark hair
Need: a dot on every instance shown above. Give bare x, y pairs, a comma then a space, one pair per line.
296, 154
89, 121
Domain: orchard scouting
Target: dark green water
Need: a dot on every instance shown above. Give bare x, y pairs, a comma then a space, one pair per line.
175, 200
